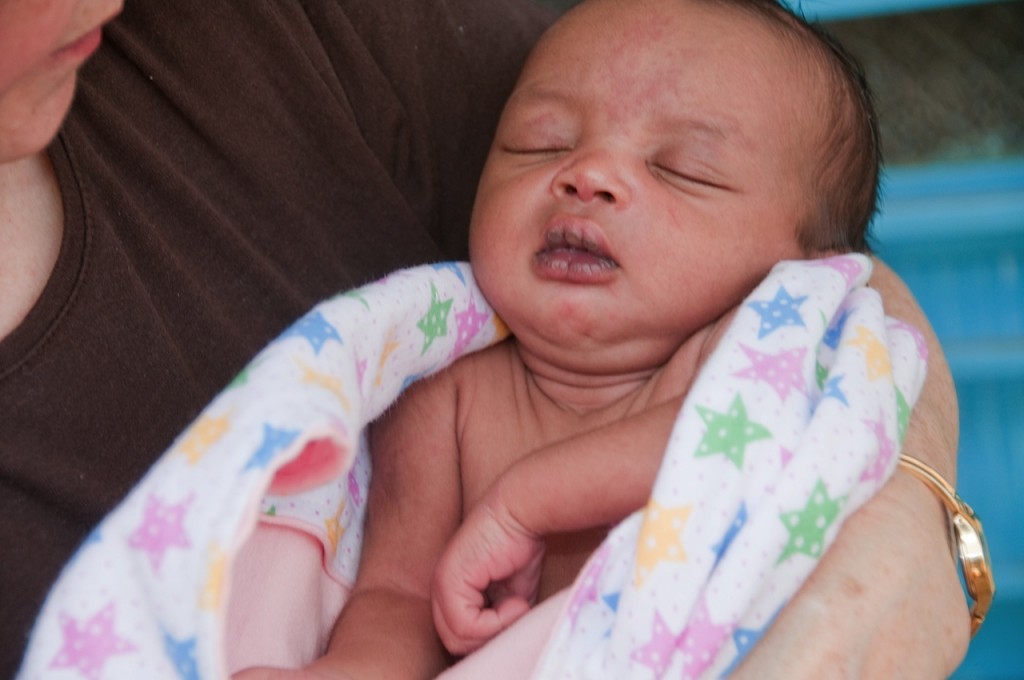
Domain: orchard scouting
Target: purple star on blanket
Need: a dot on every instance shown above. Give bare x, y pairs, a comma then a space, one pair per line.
161, 529
469, 323
782, 371
87, 646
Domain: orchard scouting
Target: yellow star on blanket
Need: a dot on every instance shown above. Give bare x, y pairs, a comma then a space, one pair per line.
661, 538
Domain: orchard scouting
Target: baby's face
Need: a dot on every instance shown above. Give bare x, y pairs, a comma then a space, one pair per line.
650, 167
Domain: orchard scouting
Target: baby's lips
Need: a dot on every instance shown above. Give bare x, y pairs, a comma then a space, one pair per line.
577, 233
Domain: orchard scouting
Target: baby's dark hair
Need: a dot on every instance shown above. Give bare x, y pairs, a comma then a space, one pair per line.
845, 181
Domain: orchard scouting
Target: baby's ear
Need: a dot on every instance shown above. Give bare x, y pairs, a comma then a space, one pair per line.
319, 461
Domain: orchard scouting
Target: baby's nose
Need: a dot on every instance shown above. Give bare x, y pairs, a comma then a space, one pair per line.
593, 176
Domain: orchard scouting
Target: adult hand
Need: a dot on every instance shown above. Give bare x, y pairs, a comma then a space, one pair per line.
487, 576
885, 602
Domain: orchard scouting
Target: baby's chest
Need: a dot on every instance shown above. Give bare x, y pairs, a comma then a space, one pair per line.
499, 431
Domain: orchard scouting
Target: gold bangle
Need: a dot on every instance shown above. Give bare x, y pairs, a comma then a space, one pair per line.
975, 563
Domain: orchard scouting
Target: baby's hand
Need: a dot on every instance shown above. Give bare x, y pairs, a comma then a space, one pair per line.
487, 577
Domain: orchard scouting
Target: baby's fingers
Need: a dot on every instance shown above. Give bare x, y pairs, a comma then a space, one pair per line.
464, 622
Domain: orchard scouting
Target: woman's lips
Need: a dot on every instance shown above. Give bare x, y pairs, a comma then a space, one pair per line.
573, 251
81, 48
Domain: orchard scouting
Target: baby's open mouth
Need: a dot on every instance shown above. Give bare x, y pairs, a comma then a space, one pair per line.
572, 250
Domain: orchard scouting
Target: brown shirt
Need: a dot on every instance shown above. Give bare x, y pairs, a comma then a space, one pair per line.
226, 164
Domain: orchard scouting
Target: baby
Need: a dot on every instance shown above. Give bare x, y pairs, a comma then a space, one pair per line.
656, 159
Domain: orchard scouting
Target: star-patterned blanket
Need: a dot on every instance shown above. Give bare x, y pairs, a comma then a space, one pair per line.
792, 424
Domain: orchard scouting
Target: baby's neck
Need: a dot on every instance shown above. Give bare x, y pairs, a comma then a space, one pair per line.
620, 393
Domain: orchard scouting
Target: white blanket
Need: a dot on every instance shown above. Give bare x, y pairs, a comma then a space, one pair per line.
794, 422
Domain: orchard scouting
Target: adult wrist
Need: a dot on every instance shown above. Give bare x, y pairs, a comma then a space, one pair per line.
967, 535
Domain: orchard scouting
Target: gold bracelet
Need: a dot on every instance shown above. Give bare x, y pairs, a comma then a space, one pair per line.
975, 563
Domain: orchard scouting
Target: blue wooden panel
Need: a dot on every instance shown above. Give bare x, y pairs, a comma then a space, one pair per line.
830, 10
956, 235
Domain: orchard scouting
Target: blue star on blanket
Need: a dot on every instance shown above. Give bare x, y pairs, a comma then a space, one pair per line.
781, 311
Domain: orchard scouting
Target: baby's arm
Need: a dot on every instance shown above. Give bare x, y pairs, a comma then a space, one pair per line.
593, 479
386, 629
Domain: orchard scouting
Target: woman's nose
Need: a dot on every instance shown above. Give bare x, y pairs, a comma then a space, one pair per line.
592, 176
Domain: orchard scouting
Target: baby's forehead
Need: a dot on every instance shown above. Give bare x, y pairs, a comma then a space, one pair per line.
634, 44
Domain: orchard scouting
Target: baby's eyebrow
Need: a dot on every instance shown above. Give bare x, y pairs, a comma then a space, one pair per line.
717, 128
540, 94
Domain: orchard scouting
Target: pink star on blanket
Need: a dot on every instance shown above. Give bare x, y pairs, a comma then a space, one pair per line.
847, 267
87, 647
699, 644
469, 323
783, 371
586, 590
886, 450
161, 529
657, 653
919, 341
701, 641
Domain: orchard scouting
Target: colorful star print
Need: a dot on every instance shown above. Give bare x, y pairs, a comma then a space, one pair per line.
875, 352
730, 533
780, 312
879, 468
902, 415
360, 369
782, 371
182, 655
213, 587
390, 347
434, 323
357, 294
206, 432
586, 590
334, 528
833, 390
919, 341
745, 639
241, 378
835, 331
274, 441
452, 267
661, 538
354, 492
87, 647
729, 433
807, 527
698, 643
315, 329
161, 529
848, 267
326, 382
468, 322
657, 653
701, 641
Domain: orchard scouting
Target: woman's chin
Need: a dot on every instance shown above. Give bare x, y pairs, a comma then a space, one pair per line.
31, 115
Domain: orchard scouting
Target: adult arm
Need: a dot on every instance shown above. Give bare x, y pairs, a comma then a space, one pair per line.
885, 601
